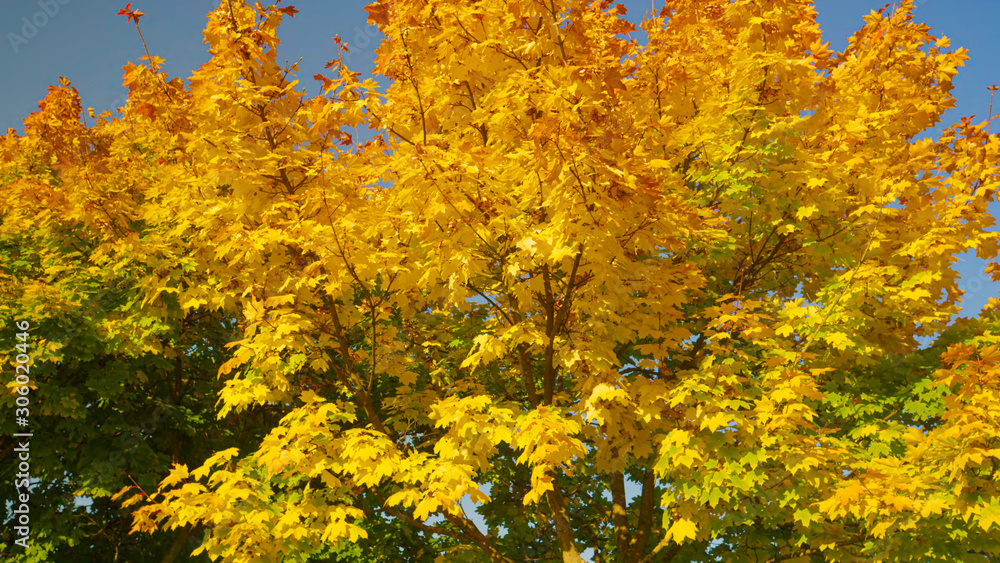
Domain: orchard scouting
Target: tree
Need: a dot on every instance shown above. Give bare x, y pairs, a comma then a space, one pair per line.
120, 392
567, 267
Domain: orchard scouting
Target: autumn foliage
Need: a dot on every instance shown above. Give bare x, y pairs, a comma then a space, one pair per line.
650, 300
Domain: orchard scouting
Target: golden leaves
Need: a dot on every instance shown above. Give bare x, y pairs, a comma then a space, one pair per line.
547, 442
564, 251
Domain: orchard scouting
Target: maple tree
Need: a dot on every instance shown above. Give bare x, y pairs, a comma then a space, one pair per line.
655, 300
119, 397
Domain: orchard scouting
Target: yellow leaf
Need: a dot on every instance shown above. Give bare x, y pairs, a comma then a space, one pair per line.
682, 529
806, 211
178, 474
839, 340
989, 514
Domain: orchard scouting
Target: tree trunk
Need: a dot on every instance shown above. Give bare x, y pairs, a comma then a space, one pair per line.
564, 530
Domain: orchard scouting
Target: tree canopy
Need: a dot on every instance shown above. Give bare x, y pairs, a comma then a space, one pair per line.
643, 301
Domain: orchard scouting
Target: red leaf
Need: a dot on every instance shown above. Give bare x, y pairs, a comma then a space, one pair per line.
132, 14
326, 81
378, 13
146, 110
289, 11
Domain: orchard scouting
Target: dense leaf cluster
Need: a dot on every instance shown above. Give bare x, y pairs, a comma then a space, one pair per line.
643, 302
